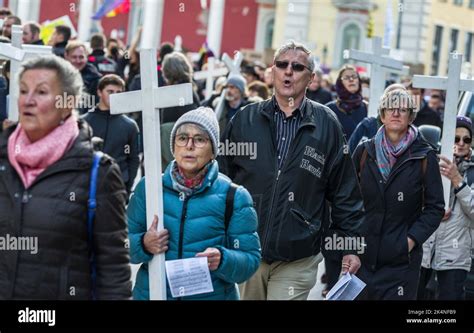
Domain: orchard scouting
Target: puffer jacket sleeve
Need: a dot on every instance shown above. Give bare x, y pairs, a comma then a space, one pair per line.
110, 236
241, 257
466, 200
433, 212
137, 227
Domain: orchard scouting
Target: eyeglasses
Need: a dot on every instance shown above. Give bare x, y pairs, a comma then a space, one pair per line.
466, 140
400, 111
349, 77
199, 141
295, 66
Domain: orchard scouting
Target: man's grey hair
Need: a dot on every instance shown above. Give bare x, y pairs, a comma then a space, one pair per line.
69, 77
292, 45
177, 68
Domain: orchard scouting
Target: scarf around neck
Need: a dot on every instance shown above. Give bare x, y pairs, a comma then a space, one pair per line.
188, 185
387, 153
30, 159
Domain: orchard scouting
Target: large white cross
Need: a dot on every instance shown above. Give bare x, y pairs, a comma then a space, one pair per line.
16, 52
380, 63
149, 100
209, 75
233, 64
452, 84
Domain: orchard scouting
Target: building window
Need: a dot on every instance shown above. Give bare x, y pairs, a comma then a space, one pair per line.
471, 4
453, 41
438, 37
468, 46
269, 34
351, 36
457, 2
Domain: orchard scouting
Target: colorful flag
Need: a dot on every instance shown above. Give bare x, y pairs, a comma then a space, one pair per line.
123, 8
111, 8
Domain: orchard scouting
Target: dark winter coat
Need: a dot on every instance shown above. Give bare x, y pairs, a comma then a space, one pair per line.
54, 210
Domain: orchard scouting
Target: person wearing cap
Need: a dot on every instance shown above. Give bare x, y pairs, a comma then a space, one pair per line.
447, 251
194, 197
403, 199
235, 98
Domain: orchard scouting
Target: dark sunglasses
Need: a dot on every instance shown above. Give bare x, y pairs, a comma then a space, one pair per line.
295, 66
465, 139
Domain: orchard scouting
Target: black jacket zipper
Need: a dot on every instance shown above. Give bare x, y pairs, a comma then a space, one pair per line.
268, 225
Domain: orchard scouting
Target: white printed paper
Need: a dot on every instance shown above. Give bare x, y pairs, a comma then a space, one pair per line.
346, 289
188, 277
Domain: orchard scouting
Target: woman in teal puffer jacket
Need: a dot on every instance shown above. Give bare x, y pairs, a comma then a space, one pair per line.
194, 197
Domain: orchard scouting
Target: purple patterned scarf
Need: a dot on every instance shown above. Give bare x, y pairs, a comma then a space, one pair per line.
387, 154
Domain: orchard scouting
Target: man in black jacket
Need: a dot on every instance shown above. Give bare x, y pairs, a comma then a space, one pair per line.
104, 64
31, 33
59, 39
119, 132
302, 162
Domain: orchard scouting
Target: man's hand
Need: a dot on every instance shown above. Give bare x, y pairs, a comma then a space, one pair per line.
350, 263
156, 241
213, 257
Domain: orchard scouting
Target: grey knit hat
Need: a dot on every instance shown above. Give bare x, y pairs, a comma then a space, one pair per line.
238, 81
204, 117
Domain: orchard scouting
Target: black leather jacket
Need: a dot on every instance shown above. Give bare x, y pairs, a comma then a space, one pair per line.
291, 202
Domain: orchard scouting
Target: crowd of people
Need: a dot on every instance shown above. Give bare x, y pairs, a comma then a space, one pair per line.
323, 169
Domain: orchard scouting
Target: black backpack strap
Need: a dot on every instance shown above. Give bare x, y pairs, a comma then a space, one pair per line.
229, 204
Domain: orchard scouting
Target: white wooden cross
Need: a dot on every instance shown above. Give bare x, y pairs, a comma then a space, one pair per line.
452, 84
149, 100
233, 64
234, 68
210, 74
380, 63
16, 52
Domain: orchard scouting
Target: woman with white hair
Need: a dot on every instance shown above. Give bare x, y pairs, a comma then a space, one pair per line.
403, 199
205, 215
46, 162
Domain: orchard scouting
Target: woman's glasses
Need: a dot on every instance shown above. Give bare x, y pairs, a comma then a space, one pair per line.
199, 141
466, 140
349, 77
295, 66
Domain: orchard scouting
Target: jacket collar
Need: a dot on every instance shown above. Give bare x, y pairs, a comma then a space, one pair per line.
267, 108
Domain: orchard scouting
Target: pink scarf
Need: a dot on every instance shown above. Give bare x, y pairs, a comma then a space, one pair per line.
31, 159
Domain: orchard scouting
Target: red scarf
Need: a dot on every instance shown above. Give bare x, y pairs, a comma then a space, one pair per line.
30, 159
